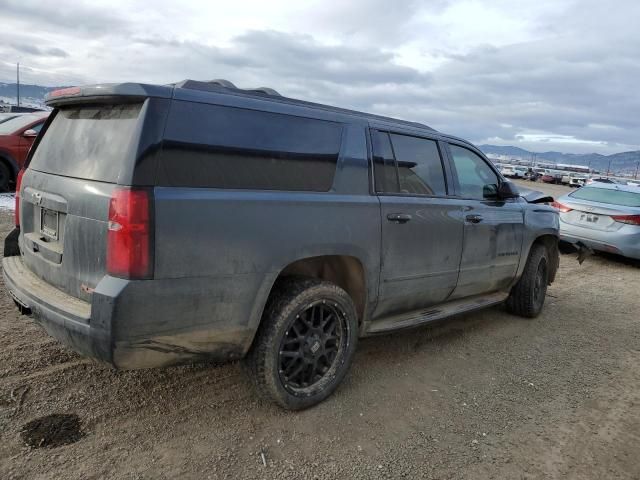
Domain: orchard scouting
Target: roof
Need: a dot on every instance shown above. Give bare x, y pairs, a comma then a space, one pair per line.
139, 90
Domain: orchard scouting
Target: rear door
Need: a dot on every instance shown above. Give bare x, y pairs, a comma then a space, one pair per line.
66, 190
493, 228
421, 227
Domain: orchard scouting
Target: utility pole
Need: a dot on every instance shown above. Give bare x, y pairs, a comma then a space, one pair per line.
637, 165
609, 167
18, 83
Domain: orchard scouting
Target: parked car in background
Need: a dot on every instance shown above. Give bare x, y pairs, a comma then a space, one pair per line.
167, 224
577, 180
514, 171
532, 175
8, 116
609, 180
602, 216
16, 137
549, 178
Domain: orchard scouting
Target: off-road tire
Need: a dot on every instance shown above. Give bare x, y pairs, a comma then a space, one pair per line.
290, 297
527, 296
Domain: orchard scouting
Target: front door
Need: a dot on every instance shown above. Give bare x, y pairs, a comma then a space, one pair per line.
421, 228
493, 228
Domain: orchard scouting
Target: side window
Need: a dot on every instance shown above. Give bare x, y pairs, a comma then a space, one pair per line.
384, 168
37, 127
419, 165
235, 148
477, 180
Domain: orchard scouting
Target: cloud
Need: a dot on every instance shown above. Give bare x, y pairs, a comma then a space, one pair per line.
532, 73
36, 51
64, 15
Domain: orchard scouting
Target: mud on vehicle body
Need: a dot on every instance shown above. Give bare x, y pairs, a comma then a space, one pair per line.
166, 224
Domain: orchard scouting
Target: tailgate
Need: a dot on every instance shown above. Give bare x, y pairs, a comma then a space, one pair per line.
66, 191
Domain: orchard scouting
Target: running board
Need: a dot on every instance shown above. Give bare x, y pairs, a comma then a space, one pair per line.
419, 317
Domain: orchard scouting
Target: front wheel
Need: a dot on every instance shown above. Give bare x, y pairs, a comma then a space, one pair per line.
527, 296
305, 343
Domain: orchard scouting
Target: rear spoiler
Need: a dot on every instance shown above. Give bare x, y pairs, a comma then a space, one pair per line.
107, 93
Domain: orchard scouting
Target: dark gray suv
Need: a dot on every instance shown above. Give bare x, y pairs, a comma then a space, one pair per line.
166, 224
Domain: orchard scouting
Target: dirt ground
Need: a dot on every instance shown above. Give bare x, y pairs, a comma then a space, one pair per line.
486, 395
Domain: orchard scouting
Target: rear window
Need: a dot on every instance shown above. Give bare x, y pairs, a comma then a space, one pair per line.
88, 142
610, 196
225, 147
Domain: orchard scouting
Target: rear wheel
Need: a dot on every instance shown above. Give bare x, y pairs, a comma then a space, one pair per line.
5, 177
527, 296
305, 343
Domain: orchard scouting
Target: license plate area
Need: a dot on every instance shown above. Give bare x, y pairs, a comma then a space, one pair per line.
589, 218
49, 223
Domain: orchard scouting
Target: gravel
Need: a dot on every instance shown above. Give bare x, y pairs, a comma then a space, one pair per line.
485, 395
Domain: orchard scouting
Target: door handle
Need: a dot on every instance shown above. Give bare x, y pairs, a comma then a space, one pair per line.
473, 218
399, 217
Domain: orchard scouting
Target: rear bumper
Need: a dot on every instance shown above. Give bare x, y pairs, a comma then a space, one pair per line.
134, 324
625, 241
64, 317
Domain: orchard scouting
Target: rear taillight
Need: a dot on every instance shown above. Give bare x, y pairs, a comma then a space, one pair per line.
129, 239
561, 207
18, 185
628, 219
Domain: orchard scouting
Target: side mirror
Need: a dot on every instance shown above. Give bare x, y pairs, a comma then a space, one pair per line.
507, 190
30, 133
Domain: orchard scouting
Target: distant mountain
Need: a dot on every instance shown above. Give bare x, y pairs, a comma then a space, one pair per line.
624, 162
30, 95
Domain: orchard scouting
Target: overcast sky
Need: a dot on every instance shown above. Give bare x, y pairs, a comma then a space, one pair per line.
540, 74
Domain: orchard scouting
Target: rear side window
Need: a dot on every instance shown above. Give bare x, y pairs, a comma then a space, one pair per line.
610, 196
88, 142
224, 147
419, 166
408, 165
385, 173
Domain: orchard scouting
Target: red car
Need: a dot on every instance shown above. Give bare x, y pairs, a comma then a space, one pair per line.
16, 137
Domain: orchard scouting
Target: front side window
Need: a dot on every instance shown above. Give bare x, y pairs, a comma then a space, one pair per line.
476, 179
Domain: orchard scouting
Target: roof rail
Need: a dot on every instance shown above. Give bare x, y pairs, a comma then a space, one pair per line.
222, 82
267, 90
225, 86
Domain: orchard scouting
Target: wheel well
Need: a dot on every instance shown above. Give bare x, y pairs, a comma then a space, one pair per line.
9, 166
550, 242
345, 271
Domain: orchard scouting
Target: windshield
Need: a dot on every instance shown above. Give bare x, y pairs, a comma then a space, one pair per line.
88, 142
610, 196
16, 123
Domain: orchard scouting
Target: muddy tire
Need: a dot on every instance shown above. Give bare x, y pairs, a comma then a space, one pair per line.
305, 343
527, 296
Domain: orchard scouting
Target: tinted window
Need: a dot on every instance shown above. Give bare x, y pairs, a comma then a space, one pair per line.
419, 165
476, 179
224, 147
36, 128
605, 195
88, 142
386, 177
